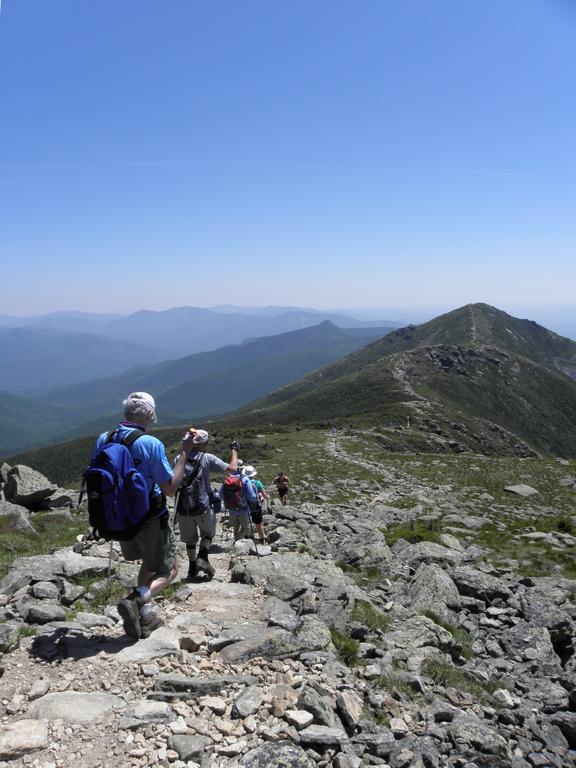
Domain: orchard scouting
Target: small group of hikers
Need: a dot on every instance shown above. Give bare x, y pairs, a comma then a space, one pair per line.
129, 479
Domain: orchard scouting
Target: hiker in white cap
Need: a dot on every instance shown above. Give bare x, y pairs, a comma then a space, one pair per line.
256, 509
154, 543
196, 502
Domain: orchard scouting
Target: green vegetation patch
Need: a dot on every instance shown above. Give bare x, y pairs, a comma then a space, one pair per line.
369, 616
413, 531
346, 646
446, 674
461, 636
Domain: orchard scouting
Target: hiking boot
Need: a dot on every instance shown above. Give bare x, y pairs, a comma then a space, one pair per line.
192, 571
203, 564
129, 610
149, 623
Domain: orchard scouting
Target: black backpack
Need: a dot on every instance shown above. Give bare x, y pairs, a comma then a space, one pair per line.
192, 499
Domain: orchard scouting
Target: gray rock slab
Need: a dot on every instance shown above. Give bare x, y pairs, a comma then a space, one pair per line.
26, 486
90, 620
281, 753
43, 613
431, 586
146, 713
14, 517
323, 736
75, 706
521, 490
170, 685
481, 586
9, 637
350, 706
430, 552
22, 737
162, 642
247, 702
470, 731
189, 747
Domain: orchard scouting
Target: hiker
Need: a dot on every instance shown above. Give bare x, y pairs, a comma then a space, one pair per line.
154, 543
197, 502
282, 481
238, 495
256, 509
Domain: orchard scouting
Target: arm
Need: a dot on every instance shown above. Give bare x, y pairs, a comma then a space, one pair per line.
233, 463
171, 486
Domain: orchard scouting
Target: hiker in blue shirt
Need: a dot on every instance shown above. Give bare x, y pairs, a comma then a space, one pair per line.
154, 544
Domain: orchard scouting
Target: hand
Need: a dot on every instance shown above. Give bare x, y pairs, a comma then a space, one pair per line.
187, 442
234, 445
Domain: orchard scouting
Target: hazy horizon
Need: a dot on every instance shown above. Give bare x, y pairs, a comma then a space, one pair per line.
312, 153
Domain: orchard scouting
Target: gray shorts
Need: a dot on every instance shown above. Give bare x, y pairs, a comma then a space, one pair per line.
154, 544
194, 527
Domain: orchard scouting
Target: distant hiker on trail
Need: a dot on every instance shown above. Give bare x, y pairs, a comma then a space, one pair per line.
196, 502
238, 495
154, 543
256, 509
282, 482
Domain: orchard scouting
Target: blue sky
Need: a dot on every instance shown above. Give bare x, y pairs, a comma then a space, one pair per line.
322, 153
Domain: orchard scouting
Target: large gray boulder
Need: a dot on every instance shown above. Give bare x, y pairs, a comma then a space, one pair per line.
481, 586
27, 487
75, 706
15, 518
433, 590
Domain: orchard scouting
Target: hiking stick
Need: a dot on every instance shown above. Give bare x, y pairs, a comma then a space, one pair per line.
109, 569
252, 530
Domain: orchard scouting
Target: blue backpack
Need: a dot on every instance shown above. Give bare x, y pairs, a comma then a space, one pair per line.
118, 499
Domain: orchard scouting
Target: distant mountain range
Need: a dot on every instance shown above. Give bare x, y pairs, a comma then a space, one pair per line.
472, 379
192, 387
182, 330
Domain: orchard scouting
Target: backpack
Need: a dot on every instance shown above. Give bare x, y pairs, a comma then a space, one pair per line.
192, 499
232, 493
118, 499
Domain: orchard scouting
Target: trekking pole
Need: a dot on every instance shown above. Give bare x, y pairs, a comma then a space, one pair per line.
250, 519
109, 570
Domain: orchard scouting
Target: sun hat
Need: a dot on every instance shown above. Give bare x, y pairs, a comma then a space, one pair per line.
141, 397
201, 437
249, 471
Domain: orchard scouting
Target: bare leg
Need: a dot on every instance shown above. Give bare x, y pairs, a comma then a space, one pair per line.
156, 582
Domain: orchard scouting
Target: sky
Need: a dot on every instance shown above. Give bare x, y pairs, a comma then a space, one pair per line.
320, 153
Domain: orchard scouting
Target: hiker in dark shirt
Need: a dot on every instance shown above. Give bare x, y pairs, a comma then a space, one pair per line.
282, 482
154, 544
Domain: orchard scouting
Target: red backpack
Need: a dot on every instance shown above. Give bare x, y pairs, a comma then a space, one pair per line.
232, 493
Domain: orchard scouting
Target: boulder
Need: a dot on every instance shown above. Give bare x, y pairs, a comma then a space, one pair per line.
27, 487
521, 490
74, 706
282, 753
432, 589
15, 518
478, 585
9, 637
22, 737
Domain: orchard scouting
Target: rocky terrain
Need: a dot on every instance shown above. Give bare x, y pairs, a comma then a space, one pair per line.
397, 617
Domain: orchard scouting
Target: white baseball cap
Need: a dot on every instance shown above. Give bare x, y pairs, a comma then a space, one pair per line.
141, 397
201, 437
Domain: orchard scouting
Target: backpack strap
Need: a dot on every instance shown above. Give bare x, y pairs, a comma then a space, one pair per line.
131, 438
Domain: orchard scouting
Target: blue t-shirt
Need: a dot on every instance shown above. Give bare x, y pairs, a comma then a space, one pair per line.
148, 453
248, 491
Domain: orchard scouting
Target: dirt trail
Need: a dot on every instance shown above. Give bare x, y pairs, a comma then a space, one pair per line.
401, 483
